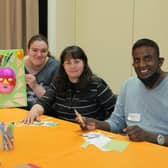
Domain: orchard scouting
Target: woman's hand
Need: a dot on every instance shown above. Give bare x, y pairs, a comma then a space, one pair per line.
34, 114
31, 81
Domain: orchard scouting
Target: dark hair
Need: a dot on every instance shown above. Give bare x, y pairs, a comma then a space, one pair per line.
74, 52
37, 37
146, 42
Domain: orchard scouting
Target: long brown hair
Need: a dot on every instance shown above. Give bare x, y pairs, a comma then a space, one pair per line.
62, 79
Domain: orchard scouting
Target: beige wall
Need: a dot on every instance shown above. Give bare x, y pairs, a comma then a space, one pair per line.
61, 25
106, 30
150, 21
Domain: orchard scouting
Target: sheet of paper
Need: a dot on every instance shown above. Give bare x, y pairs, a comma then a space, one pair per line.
44, 123
99, 141
103, 142
37, 123
116, 145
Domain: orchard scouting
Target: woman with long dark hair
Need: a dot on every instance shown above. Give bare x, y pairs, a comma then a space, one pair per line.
75, 88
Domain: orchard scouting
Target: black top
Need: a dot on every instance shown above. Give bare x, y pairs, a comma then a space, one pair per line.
96, 101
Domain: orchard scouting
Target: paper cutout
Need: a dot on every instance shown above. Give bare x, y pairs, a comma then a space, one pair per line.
12, 79
37, 123
85, 145
103, 142
7, 80
44, 123
116, 145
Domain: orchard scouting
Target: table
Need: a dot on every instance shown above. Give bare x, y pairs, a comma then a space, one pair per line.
60, 146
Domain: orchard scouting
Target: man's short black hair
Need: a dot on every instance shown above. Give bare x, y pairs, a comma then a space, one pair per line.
146, 42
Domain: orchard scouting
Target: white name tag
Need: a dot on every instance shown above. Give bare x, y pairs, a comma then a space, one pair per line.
134, 117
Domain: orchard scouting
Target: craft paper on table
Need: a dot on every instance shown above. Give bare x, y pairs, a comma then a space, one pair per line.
37, 123
12, 79
97, 139
116, 145
103, 142
43, 123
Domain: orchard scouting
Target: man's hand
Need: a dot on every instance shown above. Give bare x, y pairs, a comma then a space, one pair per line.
85, 122
135, 133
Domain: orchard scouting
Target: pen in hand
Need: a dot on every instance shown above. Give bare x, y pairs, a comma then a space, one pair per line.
79, 118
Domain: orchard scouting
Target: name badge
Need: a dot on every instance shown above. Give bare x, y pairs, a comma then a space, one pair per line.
134, 117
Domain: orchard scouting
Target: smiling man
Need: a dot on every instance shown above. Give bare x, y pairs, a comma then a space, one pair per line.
142, 109
147, 63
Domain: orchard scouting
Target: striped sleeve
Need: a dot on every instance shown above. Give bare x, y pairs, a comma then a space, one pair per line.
106, 98
48, 98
